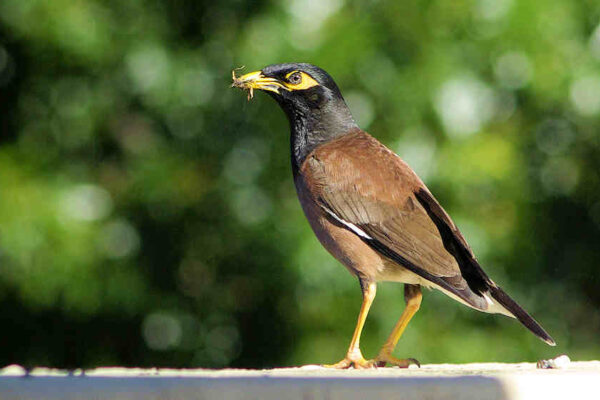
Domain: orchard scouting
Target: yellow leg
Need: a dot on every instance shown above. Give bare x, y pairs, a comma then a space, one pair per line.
354, 357
412, 296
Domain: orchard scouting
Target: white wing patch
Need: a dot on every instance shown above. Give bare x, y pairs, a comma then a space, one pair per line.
493, 306
347, 224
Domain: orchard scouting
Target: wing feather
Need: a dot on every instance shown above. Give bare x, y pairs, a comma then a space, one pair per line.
368, 189
383, 198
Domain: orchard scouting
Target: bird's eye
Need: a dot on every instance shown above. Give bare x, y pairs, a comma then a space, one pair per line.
295, 78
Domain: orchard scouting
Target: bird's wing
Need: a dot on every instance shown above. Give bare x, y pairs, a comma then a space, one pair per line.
362, 185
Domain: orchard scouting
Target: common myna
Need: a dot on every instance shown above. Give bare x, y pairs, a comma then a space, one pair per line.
371, 211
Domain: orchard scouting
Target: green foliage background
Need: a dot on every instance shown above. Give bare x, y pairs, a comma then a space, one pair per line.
147, 211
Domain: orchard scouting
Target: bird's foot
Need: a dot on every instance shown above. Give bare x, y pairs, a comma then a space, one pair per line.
352, 360
382, 359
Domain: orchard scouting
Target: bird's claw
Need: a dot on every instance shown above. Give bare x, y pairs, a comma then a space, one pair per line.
350, 361
358, 362
383, 359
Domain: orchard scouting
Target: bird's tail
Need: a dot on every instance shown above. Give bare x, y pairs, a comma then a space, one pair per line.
519, 313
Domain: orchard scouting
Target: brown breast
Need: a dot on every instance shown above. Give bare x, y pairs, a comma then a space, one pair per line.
358, 257
356, 164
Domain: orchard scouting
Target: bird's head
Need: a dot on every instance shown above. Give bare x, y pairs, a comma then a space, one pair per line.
310, 98
297, 87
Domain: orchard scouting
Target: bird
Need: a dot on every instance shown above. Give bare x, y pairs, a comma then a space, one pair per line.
371, 211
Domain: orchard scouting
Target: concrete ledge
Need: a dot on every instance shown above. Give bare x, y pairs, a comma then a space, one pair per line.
466, 381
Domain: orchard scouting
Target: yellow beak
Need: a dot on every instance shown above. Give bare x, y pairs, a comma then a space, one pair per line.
256, 80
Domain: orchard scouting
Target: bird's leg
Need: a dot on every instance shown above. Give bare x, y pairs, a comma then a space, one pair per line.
354, 357
412, 297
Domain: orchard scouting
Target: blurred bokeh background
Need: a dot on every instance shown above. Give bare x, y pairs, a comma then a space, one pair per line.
147, 211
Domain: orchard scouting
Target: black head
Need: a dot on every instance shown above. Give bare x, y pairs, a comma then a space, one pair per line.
310, 98
303, 84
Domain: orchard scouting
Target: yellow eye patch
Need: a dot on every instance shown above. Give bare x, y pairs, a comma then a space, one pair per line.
304, 81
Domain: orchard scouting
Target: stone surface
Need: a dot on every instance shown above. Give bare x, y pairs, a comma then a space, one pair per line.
442, 381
